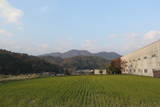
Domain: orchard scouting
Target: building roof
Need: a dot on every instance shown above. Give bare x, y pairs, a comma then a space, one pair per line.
142, 48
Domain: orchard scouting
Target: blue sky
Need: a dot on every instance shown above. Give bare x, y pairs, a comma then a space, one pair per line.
43, 26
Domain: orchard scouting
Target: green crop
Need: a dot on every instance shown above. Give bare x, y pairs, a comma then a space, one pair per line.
82, 91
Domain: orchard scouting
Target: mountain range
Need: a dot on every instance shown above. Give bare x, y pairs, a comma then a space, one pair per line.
73, 53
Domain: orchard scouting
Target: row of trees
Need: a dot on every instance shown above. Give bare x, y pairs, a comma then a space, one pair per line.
115, 66
112, 67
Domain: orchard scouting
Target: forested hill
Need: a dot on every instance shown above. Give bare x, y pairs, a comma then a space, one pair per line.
78, 62
16, 63
86, 62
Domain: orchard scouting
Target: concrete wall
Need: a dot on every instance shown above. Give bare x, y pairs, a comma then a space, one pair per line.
143, 61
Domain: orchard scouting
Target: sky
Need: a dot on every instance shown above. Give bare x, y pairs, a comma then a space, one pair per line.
43, 26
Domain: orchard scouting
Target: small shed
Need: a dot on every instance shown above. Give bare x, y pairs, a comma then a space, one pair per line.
83, 72
100, 71
48, 74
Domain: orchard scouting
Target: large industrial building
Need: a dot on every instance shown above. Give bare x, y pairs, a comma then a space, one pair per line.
145, 61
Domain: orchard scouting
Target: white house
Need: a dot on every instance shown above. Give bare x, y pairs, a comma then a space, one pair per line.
91, 72
100, 71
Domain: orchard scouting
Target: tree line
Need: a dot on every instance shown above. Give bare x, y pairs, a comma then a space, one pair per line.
15, 63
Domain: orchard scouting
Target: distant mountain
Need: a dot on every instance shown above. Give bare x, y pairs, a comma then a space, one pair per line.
69, 54
52, 59
108, 55
73, 53
85, 62
78, 62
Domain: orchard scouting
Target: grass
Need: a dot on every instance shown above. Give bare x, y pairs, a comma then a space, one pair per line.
18, 77
82, 91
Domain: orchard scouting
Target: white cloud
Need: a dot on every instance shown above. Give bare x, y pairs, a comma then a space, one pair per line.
152, 34
95, 46
23, 47
132, 41
87, 44
61, 44
44, 46
9, 13
5, 33
121, 43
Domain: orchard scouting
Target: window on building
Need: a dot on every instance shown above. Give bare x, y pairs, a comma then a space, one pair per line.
154, 55
139, 58
145, 57
145, 70
139, 70
130, 70
101, 72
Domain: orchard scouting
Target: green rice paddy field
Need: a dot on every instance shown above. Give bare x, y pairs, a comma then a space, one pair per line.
82, 91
